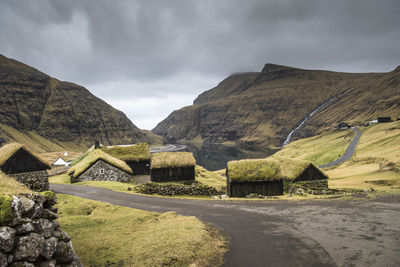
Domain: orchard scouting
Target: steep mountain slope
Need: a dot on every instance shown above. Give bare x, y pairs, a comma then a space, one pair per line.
34, 106
262, 108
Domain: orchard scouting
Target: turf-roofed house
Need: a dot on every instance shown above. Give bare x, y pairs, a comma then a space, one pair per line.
25, 166
100, 166
301, 174
254, 176
172, 166
137, 156
272, 176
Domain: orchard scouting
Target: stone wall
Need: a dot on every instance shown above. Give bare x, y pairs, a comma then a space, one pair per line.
316, 187
37, 181
30, 234
111, 173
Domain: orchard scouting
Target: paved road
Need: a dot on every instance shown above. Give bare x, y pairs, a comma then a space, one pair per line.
349, 151
283, 233
168, 148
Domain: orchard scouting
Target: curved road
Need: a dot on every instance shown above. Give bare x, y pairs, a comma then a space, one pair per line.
283, 233
168, 148
349, 151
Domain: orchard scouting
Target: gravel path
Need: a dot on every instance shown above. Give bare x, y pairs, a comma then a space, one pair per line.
284, 233
349, 151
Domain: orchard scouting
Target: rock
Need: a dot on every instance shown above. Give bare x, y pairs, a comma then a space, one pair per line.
215, 197
47, 214
53, 209
64, 253
224, 196
38, 211
29, 247
7, 239
49, 248
24, 227
55, 224
51, 263
3, 260
22, 264
61, 235
43, 227
10, 258
17, 209
28, 205
252, 195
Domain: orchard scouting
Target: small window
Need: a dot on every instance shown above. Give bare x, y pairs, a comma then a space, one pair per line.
101, 171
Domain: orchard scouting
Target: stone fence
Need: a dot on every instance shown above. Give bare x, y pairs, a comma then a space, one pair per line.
30, 234
37, 181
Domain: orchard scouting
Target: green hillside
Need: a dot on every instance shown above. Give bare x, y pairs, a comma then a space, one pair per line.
379, 144
263, 108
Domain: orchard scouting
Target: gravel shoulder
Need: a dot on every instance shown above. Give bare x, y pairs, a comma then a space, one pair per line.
284, 233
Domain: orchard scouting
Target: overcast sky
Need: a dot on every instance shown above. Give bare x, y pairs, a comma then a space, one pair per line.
150, 57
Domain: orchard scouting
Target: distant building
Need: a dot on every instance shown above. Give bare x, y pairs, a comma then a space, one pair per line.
25, 166
61, 162
384, 119
343, 126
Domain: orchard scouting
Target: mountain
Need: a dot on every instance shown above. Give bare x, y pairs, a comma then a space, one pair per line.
48, 114
262, 108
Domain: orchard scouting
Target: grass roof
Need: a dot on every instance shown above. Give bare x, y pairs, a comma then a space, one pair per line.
172, 159
271, 168
8, 150
254, 170
92, 157
292, 168
136, 152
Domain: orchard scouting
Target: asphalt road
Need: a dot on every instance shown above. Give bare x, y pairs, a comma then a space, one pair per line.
349, 151
284, 233
168, 148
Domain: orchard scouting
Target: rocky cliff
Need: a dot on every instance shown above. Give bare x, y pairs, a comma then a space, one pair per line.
35, 105
262, 108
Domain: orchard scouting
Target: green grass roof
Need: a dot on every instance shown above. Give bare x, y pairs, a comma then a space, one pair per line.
292, 168
268, 169
92, 157
254, 170
172, 159
8, 150
136, 152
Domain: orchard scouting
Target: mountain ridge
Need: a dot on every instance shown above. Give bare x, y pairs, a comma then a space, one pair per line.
65, 113
263, 107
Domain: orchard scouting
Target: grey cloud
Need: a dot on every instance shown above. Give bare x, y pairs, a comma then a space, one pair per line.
100, 43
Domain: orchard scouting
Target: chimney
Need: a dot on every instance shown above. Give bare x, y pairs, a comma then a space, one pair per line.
96, 144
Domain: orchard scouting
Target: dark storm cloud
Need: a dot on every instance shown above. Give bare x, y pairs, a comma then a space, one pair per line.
155, 48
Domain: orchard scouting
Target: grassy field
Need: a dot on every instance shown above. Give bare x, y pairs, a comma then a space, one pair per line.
319, 149
379, 144
108, 235
9, 186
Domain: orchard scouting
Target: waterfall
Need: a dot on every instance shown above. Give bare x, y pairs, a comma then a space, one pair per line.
287, 140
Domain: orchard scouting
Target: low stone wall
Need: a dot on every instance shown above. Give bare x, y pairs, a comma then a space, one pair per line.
316, 187
37, 181
30, 234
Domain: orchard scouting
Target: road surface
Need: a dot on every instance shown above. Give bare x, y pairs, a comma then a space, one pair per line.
168, 148
284, 233
349, 151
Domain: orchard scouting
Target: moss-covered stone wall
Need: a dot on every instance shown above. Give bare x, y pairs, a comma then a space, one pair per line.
30, 234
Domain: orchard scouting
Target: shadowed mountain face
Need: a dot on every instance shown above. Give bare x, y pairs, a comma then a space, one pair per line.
262, 108
34, 104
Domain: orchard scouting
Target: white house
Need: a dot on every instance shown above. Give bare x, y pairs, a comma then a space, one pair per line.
61, 162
